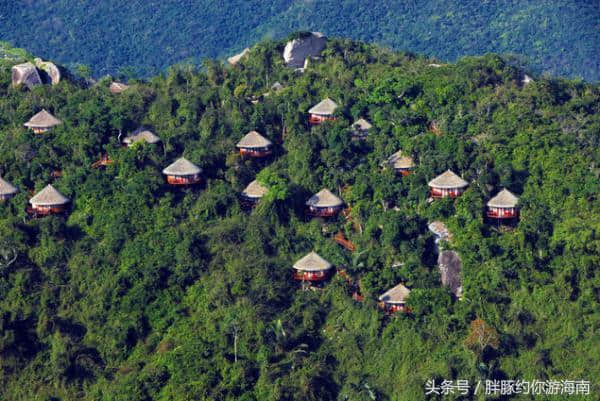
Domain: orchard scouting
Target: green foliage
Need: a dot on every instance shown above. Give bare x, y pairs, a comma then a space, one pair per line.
277, 184
149, 292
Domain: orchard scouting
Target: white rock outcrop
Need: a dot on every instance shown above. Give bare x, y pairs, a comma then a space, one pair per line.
233, 60
298, 50
526, 80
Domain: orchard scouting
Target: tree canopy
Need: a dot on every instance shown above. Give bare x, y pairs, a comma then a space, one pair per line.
144, 291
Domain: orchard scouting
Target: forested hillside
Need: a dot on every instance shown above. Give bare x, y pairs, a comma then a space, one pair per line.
554, 36
145, 291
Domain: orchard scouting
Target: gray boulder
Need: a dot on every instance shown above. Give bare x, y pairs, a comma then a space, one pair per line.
25, 74
449, 264
49, 68
298, 50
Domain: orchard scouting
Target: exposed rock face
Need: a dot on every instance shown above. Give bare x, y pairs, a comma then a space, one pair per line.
117, 87
49, 68
233, 60
298, 50
40, 73
25, 74
449, 264
440, 230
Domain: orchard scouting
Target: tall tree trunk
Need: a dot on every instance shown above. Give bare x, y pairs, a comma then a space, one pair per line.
235, 347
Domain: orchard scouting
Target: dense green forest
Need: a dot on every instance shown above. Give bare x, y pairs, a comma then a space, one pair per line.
143, 291
554, 36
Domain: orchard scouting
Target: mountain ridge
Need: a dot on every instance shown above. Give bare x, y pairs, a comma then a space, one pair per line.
142, 288
547, 35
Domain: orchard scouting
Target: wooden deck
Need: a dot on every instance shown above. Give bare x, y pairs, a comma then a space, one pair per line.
341, 239
44, 211
247, 152
323, 212
502, 213
315, 119
179, 180
102, 162
446, 193
309, 276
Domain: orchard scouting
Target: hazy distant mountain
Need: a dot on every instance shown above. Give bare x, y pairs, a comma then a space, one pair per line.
559, 38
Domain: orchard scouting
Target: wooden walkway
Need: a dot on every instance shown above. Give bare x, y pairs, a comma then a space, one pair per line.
341, 239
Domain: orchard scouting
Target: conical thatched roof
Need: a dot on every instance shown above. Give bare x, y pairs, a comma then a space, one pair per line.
141, 135
448, 180
253, 140
49, 196
6, 188
324, 198
504, 198
399, 160
117, 87
362, 124
182, 166
395, 295
276, 86
325, 107
312, 262
254, 190
43, 119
